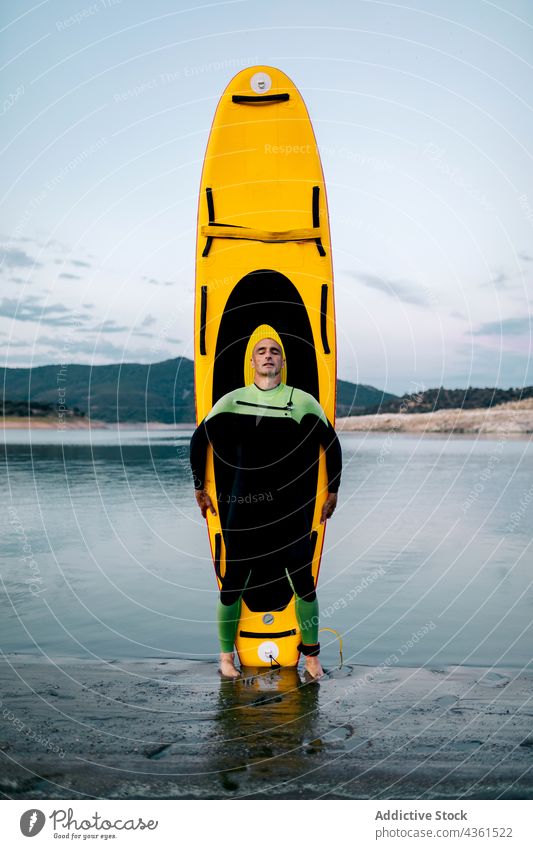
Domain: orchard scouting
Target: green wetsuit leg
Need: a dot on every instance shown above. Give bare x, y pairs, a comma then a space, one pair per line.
229, 603
307, 616
228, 616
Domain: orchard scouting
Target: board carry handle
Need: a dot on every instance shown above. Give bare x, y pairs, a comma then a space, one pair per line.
203, 320
234, 231
260, 98
324, 317
214, 230
260, 635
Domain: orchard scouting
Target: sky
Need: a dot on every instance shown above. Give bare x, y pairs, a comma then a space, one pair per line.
423, 117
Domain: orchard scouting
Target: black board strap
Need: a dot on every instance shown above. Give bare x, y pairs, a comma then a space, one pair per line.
324, 317
313, 538
210, 204
218, 552
316, 218
203, 320
260, 98
211, 214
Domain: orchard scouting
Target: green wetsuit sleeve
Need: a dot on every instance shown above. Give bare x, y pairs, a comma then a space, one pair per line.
223, 405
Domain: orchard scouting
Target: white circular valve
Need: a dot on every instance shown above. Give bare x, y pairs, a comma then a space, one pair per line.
267, 651
261, 83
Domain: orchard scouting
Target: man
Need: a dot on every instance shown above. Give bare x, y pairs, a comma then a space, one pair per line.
266, 439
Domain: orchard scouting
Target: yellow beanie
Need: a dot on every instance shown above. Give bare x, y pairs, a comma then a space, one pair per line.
264, 331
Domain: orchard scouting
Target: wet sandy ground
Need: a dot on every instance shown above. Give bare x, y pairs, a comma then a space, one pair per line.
170, 729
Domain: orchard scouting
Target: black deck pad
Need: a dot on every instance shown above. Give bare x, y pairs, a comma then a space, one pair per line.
265, 297
268, 297
267, 591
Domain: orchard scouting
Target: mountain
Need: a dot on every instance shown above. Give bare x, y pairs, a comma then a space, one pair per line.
450, 399
132, 392
355, 398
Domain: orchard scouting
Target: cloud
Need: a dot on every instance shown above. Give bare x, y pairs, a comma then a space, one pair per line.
94, 347
67, 276
32, 310
155, 282
410, 293
504, 282
17, 343
506, 327
11, 239
110, 326
15, 258
478, 365
147, 321
499, 279
91, 351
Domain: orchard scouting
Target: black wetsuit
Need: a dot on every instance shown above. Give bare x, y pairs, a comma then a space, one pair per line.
266, 446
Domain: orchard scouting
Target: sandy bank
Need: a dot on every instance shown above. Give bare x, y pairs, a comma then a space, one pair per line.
21, 423
52, 423
172, 729
514, 419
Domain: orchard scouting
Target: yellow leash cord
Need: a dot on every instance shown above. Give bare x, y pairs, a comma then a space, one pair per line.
339, 639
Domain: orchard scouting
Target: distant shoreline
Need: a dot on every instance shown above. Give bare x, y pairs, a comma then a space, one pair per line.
79, 423
512, 419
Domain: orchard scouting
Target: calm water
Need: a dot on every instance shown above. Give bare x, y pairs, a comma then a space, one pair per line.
427, 559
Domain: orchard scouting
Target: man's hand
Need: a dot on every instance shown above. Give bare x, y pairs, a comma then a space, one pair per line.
204, 502
329, 506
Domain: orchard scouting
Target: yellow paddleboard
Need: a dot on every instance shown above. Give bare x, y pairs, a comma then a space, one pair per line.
263, 258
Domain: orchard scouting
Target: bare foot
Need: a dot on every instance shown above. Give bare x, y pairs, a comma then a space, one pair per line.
227, 665
313, 666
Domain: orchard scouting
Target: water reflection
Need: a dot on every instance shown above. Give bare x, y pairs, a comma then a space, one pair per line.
266, 728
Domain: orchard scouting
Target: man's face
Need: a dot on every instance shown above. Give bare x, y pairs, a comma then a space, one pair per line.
267, 358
